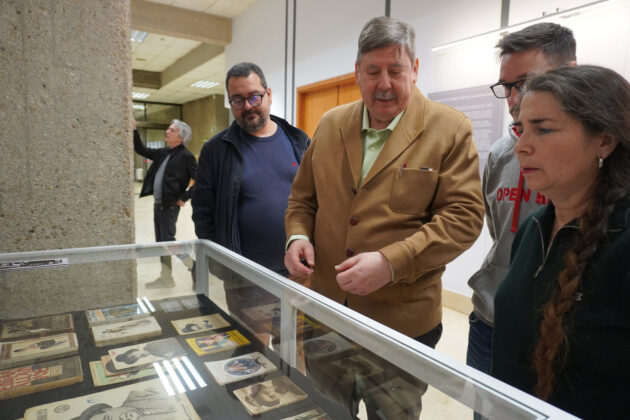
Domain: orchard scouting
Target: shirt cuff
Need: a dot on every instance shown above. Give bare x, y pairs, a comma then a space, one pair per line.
293, 238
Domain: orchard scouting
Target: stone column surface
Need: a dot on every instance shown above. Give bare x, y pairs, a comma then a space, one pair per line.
67, 157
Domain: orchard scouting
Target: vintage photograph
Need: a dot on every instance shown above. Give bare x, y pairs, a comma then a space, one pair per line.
125, 331
239, 368
40, 376
326, 345
214, 343
144, 400
269, 395
145, 353
199, 324
16, 353
36, 327
100, 378
263, 313
115, 314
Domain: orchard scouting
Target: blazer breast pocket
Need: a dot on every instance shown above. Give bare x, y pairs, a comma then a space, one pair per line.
413, 190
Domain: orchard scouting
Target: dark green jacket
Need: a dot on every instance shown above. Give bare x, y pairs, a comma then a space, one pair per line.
595, 381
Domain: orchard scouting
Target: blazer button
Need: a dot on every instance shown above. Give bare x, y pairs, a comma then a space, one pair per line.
354, 220
349, 252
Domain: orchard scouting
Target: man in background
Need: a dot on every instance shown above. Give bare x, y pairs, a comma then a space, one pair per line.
168, 180
508, 201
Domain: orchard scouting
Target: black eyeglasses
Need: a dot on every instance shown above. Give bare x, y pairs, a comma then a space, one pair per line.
502, 90
254, 100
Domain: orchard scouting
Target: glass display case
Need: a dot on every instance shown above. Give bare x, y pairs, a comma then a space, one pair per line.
89, 333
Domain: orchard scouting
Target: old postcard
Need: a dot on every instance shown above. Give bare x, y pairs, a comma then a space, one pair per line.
326, 345
146, 399
36, 327
16, 353
101, 379
239, 368
199, 324
145, 353
110, 370
125, 331
269, 395
263, 313
115, 314
214, 343
40, 377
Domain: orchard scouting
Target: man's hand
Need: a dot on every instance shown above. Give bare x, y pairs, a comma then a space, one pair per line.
300, 249
364, 273
181, 203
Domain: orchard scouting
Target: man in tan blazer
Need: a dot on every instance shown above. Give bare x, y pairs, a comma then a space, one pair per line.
387, 194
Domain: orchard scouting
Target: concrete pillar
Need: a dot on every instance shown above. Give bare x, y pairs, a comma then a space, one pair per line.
66, 161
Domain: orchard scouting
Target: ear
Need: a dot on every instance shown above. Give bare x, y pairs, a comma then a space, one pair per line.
416, 64
356, 72
605, 145
269, 94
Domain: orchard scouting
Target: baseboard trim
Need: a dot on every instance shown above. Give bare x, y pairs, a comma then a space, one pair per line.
456, 301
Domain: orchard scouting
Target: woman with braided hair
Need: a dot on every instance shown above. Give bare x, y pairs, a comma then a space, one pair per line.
562, 323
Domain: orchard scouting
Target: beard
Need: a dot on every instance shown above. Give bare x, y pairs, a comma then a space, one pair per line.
253, 125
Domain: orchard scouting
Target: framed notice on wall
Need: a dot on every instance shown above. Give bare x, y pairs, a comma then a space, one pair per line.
485, 112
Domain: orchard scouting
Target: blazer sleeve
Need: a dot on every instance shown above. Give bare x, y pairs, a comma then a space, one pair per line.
203, 196
142, 150
456, 213
191, 173
302, 206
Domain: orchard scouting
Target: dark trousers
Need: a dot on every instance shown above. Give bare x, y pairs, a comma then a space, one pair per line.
479, 347
164, 221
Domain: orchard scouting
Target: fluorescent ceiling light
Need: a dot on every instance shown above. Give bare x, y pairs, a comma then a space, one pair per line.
204, 84
140, 95
138, 106
513, 28
138, 36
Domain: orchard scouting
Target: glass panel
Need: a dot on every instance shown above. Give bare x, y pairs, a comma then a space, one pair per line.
216, 335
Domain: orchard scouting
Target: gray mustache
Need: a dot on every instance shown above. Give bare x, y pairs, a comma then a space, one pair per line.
384, 96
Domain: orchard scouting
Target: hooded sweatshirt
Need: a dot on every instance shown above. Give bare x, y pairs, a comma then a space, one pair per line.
508, 202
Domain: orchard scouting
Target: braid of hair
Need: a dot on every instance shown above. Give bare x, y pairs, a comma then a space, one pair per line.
553, 339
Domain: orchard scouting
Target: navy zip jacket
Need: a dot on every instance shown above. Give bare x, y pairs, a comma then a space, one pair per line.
215, 197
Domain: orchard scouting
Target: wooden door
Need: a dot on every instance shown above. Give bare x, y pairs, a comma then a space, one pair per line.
317, 98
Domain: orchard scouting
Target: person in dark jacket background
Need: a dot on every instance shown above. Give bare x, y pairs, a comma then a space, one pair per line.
168, 180
243, 183
245, 173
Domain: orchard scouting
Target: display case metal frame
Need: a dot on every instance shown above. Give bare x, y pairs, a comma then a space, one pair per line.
484, 394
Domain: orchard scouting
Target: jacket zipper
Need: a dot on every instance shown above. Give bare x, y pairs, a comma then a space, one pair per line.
542, 242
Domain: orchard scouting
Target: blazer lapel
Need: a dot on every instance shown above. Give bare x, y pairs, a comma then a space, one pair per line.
351, 138
406, 132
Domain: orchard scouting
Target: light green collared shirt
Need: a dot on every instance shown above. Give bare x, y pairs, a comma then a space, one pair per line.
373, 141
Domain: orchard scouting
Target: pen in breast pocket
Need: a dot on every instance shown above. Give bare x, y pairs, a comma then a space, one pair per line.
426, 168
403, 166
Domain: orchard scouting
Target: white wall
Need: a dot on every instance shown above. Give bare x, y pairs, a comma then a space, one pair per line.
326, 38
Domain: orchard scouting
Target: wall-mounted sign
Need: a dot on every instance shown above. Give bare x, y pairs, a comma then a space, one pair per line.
485, 112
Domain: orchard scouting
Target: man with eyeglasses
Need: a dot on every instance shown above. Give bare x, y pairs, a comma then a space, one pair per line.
245, 173
508, 201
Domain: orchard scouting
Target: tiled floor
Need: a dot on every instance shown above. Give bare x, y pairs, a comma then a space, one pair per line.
436, 405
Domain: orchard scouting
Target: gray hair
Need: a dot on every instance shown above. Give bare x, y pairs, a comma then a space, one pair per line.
384, 31
556, 42
243, 70
185, 132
